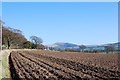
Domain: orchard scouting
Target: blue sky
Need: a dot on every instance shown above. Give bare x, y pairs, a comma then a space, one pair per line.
86, 23
0, 9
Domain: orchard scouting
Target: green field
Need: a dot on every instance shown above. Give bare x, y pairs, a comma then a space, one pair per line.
4, 64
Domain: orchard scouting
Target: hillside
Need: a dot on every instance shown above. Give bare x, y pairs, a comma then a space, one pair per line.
63, 46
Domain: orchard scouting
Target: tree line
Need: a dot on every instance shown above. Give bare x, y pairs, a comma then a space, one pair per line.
82, 48
13, 38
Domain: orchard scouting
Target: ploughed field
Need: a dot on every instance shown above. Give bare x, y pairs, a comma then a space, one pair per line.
49, 65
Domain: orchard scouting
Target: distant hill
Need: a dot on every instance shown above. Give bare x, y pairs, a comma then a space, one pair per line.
116, 46
63, 46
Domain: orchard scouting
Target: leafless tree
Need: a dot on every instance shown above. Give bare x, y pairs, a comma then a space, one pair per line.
109, 49
82, 47
37, 41
12, 36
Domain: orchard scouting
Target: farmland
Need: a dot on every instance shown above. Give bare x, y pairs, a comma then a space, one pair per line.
49, 65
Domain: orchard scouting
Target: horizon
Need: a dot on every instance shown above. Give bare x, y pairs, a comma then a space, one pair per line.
83, 44
78, 23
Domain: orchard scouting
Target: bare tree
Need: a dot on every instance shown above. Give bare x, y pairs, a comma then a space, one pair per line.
12, 36
36, 41
109, 49
7, 37
82, 47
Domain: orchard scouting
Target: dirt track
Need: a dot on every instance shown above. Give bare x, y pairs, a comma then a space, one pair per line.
4, 64
37, 65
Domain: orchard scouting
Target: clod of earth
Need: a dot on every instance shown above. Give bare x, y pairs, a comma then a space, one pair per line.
45, 65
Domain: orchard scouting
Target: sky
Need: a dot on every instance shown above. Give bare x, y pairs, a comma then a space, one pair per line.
60, 0
0, 8
88, 23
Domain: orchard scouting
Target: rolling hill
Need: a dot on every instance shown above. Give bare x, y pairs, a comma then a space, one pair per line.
63, 46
